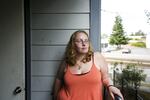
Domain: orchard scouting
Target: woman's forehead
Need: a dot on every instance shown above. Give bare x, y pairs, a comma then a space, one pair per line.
81, 35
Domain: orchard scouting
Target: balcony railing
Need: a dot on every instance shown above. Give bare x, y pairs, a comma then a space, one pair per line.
128, 58
141, 60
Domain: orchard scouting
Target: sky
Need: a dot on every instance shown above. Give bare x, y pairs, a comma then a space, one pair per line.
132, 13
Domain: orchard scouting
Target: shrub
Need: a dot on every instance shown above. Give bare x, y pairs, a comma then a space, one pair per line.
139, 44
132, 75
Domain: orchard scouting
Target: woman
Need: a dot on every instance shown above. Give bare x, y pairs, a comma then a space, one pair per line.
83, 73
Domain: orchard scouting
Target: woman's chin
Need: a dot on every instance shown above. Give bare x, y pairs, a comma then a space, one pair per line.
84, 52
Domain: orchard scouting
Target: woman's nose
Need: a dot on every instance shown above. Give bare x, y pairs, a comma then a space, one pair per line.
83, 43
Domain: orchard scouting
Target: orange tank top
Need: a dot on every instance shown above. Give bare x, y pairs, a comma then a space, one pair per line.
86, 86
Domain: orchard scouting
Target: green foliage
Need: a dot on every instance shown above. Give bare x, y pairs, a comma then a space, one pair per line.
138, 33
132, 76
117, 37
137, 39
139, 44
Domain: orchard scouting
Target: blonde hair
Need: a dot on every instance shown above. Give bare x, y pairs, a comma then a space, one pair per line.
71, 51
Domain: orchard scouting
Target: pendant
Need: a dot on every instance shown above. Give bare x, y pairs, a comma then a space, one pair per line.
79, 67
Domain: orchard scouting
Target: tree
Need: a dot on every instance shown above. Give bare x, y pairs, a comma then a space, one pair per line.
117, 37
104, 35
130, 80
139, 33
132, 76
147, 13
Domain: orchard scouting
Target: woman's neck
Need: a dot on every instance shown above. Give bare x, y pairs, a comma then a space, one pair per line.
80, 57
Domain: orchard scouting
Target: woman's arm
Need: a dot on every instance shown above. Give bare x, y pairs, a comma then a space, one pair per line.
105, 76
57, 86
59, 79
103, 67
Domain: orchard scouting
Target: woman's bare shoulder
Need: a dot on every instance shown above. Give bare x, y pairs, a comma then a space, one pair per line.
98, 55
99, 59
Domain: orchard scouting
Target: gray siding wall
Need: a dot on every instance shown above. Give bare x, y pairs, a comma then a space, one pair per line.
53, 22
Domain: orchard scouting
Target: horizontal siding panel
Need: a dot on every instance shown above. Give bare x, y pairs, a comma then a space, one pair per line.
51, 37
42, 84
48, 52
41, 96
45, 67
60, 6
60, 21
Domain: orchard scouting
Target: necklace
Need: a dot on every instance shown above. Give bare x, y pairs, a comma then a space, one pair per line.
79, 66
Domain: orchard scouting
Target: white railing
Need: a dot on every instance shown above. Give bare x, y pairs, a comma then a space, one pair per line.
128, 58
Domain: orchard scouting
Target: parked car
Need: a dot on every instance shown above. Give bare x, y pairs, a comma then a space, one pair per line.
109, 49
126, 50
